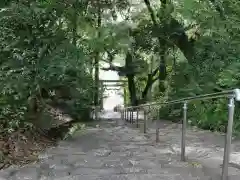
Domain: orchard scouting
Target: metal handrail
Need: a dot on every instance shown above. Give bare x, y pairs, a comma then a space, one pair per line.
227, 93
233, 95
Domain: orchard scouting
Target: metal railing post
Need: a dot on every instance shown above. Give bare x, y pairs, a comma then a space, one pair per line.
131, 116
124, 114
96, 113
157, 132
159, 114
157, 126
128, 113
184, 126
145, 122
121, 118
137, 118
228, 139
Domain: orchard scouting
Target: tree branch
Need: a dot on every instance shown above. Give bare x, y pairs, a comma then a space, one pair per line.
179, 38
151, 12
110, 55
155, 72
155, 79
150, 82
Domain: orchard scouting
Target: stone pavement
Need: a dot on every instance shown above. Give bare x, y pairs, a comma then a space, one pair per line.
203, 147
110, 152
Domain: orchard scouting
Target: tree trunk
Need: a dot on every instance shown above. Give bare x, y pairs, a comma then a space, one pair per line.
162, 43
96, 77
74, 29
162, 69
149, 94
96, 63
147, 87
174, 31
132, 89
131, 81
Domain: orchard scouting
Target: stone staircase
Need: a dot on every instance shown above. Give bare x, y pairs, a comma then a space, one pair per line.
110, 152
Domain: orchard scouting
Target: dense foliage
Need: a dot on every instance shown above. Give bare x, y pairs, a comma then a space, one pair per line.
214, 66
190, 48
51, 53
42, 65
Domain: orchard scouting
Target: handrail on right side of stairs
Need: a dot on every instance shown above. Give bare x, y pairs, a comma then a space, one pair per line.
233, 95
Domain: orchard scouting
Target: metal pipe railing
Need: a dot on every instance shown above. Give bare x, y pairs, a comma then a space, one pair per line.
188, 99
231, 94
